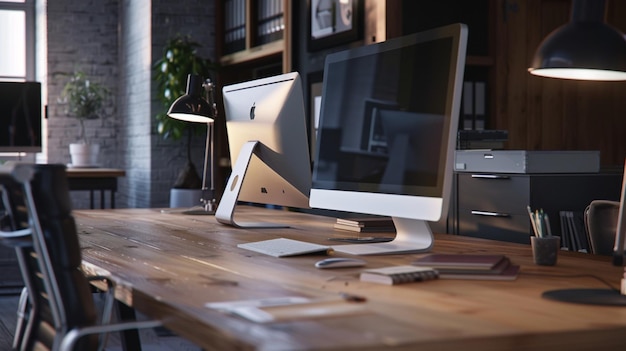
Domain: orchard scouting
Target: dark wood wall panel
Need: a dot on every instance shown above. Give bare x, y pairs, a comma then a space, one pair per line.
550, 114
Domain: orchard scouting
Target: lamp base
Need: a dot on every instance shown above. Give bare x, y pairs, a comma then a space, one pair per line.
198, 211
606, 297
208, 208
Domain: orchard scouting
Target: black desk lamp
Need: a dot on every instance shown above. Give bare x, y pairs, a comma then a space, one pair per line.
193, 107
586, 48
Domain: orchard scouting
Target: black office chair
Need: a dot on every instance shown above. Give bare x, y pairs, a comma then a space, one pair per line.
601, 223
59, 312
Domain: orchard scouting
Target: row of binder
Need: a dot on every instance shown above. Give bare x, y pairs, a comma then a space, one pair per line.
574, 236
270, 22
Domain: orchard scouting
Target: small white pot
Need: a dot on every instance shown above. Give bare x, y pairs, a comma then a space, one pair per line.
84, 155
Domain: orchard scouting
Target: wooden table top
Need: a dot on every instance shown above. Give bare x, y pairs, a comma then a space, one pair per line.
169, 265
94, 172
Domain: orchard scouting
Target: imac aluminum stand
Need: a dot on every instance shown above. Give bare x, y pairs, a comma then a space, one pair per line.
225, 212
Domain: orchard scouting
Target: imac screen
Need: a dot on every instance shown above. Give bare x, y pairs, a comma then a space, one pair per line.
269, 149
385, 142
20, 117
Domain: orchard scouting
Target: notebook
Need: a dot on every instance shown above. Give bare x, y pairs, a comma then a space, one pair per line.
283, 247
393, 275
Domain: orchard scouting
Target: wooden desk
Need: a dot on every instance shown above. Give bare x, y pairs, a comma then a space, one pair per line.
169, 265
93, 179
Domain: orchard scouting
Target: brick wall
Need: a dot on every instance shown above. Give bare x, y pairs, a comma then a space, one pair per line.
115, 42
196, 19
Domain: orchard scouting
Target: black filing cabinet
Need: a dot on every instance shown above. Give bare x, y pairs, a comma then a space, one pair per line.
494, 205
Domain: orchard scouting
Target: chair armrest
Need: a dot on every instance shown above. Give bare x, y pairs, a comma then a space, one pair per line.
16, 238
16, 233
75, 334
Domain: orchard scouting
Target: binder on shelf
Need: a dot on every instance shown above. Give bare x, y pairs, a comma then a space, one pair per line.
573, 232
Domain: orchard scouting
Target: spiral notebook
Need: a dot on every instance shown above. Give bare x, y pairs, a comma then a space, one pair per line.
398, 275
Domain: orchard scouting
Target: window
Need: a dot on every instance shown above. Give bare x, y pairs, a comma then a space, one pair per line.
17, 37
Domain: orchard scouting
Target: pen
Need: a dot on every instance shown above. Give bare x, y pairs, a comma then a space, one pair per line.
538, 223
353, 298
547, 223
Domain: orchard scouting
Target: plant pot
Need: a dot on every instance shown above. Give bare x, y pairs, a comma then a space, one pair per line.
185, 197
84, 155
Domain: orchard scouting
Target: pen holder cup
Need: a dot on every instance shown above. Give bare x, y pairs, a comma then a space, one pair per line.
545, 250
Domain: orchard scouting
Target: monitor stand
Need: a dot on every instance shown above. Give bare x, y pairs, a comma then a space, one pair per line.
225, 212
412, 236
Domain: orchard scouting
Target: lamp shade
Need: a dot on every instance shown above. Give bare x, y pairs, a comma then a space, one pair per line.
586, 48
192, 107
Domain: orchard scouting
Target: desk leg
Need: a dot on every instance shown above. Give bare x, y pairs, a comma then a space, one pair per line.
130, 338
91, 199
102, 199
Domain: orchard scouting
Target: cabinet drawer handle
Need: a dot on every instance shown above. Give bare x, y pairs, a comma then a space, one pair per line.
490, 176
490, 214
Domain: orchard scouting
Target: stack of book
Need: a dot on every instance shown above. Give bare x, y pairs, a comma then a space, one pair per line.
366, 224
470, 266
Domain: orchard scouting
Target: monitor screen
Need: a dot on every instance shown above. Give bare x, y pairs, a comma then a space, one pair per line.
20, 117
387, 130
269, 150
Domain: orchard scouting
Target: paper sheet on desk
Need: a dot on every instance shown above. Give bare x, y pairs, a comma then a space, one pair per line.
287, 308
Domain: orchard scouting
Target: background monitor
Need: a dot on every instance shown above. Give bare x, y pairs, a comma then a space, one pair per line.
269, 150
404, 95
20, 117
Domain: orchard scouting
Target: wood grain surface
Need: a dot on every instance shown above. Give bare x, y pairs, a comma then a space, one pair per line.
168, 266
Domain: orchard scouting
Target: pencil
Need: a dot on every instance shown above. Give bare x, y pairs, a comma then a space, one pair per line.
532, 221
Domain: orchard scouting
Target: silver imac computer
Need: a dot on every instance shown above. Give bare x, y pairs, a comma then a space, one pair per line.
269, 148
387, 132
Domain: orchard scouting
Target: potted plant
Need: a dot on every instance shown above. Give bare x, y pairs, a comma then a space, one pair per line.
179, 59
84, 99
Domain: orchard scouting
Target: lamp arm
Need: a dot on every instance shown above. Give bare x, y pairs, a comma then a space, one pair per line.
209, 87
209, 149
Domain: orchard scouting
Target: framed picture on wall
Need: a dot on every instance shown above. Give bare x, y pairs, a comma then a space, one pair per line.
333, 22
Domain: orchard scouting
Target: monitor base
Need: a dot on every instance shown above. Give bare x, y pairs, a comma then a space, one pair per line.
412, 236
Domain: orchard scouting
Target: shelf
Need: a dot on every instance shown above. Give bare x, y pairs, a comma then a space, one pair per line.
258, 29
254, 53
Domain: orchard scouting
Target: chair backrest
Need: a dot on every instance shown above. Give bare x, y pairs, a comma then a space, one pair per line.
59, 292
601, 222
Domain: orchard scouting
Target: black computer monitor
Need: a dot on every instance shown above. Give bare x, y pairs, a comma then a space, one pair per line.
387, 131
269, 149
20, 117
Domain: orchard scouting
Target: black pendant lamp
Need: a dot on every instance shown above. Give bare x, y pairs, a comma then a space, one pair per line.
586, 48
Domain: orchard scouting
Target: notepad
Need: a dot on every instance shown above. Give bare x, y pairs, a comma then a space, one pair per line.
461, 262
288, 308
470, 266
283, 247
